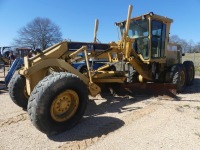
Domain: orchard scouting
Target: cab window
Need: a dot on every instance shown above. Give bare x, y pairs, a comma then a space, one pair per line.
158, 32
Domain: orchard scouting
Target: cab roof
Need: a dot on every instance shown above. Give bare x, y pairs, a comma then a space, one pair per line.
148, 15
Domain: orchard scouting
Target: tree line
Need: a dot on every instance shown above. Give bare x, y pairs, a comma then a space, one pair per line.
187, 46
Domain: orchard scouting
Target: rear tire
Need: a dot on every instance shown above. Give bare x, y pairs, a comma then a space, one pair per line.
57, 103
17, 91
178, 76
190, 72
133, 78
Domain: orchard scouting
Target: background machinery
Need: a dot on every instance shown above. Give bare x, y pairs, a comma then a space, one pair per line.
55, 93
11, 61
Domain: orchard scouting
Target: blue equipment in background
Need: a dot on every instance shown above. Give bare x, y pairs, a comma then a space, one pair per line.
18, 62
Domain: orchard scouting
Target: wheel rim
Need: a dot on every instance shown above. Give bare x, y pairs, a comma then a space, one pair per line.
182, 78
64, 106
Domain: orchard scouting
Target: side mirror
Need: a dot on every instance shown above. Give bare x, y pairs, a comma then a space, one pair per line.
183, 54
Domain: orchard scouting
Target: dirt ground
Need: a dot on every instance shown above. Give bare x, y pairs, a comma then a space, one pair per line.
114, 123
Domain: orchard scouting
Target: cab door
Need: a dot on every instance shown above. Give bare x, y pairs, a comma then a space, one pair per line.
158, 35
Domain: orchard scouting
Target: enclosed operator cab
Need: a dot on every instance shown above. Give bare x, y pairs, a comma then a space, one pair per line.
151, 35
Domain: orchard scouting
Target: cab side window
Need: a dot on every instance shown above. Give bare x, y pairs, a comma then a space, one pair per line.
158, 32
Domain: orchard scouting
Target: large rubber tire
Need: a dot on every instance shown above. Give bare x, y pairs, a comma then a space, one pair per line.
133, 76
57, 103
17, 90
190, 72
178, 76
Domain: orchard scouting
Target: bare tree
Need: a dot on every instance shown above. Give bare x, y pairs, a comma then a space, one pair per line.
191, 46
197, 48
40, 33
174, 39
184, 44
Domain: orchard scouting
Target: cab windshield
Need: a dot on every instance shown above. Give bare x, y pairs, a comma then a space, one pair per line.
139, 30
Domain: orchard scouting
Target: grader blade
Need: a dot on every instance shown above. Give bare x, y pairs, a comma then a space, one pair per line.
156, 89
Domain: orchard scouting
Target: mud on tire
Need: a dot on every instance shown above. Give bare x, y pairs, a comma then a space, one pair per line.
57, 103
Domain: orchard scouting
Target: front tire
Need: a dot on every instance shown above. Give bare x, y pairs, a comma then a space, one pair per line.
57, 103
17, 91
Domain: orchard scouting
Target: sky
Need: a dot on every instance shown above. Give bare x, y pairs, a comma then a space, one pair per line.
76, 18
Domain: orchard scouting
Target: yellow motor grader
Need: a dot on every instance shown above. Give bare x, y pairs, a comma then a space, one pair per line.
55, 94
